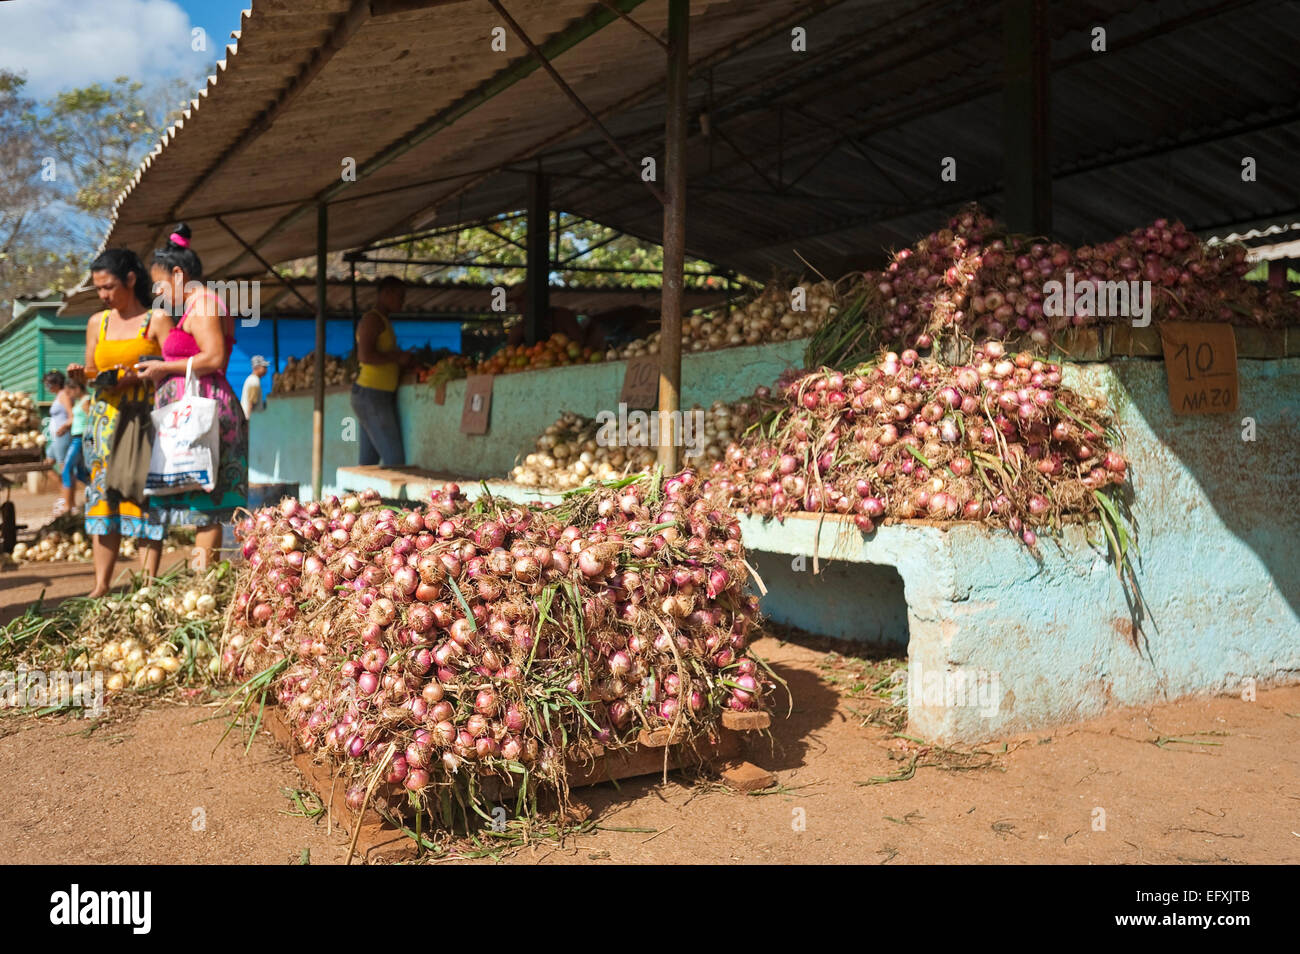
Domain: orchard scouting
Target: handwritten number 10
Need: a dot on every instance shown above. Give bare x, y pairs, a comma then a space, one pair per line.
1204, 358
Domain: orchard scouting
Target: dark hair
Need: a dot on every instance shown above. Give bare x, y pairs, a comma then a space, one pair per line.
54, 380
121, 262
177, 255
389, 282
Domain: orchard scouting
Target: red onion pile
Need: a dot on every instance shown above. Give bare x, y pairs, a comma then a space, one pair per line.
493, 637
998, 441
972, 277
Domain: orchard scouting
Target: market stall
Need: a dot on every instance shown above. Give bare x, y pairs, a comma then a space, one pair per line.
963, 412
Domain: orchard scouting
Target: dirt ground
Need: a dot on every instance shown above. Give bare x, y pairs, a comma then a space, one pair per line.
1206, 780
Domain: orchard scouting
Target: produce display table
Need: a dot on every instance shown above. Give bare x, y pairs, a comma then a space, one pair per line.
15, 462
1038, 640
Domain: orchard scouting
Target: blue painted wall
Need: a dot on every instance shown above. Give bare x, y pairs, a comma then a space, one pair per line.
298, 336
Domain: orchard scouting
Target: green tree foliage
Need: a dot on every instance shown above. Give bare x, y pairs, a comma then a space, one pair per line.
102, 133
62, 166
582, 245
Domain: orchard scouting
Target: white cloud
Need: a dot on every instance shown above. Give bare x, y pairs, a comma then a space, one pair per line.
63, 44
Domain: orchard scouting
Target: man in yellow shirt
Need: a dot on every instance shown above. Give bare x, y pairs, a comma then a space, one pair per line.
374, 395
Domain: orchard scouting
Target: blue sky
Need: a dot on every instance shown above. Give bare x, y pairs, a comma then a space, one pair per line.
60, 44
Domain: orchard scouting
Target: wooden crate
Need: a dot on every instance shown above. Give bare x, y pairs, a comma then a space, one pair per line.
379, 841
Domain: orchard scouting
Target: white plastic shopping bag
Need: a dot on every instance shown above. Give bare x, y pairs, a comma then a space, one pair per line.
186, 448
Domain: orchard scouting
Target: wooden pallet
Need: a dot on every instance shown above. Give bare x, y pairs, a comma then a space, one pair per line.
379, 842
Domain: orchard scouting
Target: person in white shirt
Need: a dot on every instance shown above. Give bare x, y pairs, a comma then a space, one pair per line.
251, 396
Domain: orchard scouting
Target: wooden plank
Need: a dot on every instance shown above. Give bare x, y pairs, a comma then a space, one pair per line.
745, 721
15, 455
612, 766
380, 841
1261, 342
658, 738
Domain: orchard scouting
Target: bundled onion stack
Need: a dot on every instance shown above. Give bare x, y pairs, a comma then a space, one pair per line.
20, 424
154, 616
999, 441
975, 280
428, 648
299, 374
570, 453
768, 317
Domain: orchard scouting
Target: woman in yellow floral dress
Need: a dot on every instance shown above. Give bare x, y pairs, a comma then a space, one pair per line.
117, 339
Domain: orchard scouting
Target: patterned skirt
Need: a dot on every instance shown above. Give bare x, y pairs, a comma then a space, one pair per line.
201, 508
107, 512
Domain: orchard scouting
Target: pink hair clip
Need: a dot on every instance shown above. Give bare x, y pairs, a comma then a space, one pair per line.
180, 240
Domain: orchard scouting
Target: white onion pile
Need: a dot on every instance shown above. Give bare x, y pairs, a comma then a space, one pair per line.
57, 546
766, 318
161, 633
568, 454
151, 614
20, 424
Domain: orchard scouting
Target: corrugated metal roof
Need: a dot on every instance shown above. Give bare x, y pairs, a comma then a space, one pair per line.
830, 155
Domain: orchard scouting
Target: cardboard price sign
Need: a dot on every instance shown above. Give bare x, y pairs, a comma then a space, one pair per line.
641, 383
478, 404
1201, 363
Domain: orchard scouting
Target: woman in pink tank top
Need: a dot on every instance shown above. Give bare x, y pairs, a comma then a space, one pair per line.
205, 335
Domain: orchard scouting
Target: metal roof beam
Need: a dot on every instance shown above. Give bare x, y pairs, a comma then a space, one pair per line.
765, 32
573, 97
264, 263
975, 90
638, 26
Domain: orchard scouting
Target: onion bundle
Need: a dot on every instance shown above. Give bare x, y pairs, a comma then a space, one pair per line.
999, 441
767, 317
62, 546
973, 279
20, 424
452, 641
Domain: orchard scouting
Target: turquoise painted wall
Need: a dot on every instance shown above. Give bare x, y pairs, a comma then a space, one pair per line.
523, 405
